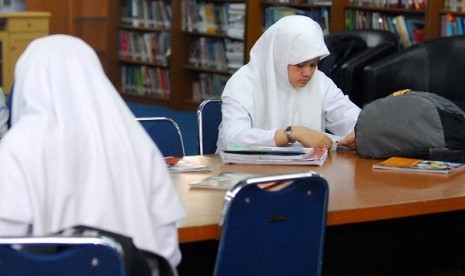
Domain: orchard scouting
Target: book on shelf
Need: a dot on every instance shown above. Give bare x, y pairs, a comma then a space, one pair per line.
293, 155
419, 165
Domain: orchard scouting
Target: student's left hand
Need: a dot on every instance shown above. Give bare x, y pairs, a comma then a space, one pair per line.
348, 141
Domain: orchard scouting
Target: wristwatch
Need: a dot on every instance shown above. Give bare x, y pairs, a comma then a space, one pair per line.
288, 132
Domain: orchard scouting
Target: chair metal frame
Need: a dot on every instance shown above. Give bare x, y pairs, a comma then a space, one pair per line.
207, 144
175, 126
77, 256
270, 231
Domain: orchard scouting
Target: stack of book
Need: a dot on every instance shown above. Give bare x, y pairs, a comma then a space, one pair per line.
274, 155
419, 165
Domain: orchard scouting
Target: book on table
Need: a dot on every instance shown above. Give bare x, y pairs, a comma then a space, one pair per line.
419, 165
179, 165
294, 155
222, 181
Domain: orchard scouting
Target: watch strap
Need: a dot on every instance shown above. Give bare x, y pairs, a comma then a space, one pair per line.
288, 132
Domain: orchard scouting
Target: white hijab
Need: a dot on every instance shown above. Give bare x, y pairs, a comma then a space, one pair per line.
75, 154
262, 86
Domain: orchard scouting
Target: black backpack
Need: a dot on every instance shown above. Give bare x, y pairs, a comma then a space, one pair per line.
342, 47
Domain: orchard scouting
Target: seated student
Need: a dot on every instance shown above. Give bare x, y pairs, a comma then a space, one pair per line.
76, 156
4, 115
280, 96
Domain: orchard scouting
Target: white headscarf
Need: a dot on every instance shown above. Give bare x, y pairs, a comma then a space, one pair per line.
262, 86
76, 155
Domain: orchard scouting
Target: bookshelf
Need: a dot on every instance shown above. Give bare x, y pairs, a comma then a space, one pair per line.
144, 45
422, 15
452, 18
93, 21
208, 46
100, 23
262, 13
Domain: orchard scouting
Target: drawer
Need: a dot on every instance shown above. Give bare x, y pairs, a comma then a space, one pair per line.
26, 24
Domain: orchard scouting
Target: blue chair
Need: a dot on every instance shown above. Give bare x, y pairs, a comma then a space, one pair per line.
166, 134
271, 231
209, 119
70, 256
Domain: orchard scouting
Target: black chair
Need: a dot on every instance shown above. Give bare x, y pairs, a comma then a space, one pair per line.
274, 231
436, 66
349, 76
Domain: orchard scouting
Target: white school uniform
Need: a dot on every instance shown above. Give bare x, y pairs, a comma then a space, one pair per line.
259, 99
75, 154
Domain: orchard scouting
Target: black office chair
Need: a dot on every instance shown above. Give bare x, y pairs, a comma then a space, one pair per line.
274, 230
349, 73
166, 134
436, 66
208, 118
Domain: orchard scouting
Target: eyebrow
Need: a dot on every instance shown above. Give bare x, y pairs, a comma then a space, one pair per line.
310, 61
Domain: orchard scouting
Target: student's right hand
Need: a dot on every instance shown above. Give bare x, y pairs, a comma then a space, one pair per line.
311, 138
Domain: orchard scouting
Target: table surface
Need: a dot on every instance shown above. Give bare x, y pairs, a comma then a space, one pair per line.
357, 193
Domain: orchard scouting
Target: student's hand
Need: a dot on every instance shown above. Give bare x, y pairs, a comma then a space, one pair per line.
348, 141
311, 138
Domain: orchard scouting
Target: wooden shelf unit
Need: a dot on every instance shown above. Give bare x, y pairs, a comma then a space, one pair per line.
94, 21
16, 31
98, 23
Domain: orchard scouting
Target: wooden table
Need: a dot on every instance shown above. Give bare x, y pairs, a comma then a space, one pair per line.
357, 192
379, 222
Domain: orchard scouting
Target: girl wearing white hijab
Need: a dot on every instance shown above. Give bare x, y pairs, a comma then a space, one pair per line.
280, 96
76, 156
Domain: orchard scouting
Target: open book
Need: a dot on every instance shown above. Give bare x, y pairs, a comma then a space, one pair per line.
274, 155
418, 165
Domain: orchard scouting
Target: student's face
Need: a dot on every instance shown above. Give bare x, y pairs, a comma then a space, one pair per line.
300, 74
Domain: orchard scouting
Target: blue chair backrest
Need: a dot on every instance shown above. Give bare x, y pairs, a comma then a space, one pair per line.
166, 134
208, 118
274, 232
59, 256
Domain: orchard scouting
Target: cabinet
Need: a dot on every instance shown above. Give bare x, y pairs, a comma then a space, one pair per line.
16, 31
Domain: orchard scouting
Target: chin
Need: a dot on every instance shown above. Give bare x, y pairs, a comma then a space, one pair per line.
301, 85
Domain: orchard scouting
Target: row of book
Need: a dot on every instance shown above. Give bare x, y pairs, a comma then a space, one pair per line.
312, 2
147, 13
319, 14
208, 86
214, 18
12, 5
217, 54
455, 5
392, 4
146, 81
410, 30
208, 53
152, 47
452, 25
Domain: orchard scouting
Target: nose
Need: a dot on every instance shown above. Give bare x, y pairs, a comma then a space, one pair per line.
307, 70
